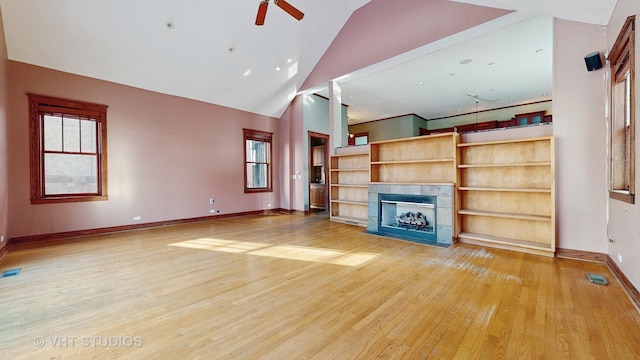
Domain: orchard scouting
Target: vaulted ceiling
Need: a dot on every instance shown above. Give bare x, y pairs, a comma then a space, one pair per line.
208, 50
211, 50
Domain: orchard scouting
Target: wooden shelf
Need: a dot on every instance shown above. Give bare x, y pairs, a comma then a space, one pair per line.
464, 188
468, 166
353, 202
365, 153
349, 220
411, 161
360, 186
354, 169
508, 244
510, 141
349, 179
504, 215
416, 160
400, 183
506, 194
417, 138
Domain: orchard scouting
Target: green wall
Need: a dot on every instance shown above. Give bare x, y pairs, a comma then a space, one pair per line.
394, 128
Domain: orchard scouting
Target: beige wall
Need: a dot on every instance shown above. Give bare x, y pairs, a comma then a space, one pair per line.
624, 223
166, 156
4, 139
579, 127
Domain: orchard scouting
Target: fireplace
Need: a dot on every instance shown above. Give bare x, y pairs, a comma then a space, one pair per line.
416, 212
412, 216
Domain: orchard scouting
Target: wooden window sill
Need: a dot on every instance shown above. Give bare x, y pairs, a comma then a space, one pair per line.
623, 196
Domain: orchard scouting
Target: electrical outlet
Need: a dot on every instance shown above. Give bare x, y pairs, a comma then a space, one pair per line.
137, 218
619, 258
211, 201
268, 205
212, 211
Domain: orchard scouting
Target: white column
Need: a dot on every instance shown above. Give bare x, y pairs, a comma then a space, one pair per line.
337, 124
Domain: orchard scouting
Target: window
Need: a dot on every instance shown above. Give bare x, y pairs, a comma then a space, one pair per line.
622, 127
68, 142
358, 139
257, 158
533, 118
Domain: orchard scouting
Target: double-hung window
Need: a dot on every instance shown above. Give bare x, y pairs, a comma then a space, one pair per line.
68, 142
622, 126
257, 159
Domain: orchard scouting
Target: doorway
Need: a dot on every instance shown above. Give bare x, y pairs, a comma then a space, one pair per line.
318, 171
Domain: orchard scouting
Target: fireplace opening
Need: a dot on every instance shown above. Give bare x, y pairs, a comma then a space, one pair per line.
409, 216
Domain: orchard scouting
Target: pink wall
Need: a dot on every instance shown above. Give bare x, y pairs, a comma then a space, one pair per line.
4, 138
166, 155
624, 226
374, 33
579, 127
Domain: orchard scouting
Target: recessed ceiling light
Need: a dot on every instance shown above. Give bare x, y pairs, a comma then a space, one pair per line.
247, 73
289, 61
465, 61
170, 25
420, 82
232, 50
277, 68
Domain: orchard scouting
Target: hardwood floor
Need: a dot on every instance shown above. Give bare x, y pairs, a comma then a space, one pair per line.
296, 287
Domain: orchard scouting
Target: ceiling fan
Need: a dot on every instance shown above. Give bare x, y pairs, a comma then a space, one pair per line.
478, 99
262, 10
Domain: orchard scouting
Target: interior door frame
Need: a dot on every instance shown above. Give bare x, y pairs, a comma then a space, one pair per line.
325, 165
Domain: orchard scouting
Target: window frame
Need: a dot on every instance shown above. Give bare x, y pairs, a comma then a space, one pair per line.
621, 61
39, 105
262, 136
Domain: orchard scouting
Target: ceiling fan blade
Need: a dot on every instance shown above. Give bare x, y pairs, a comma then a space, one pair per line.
290, 9
262, 12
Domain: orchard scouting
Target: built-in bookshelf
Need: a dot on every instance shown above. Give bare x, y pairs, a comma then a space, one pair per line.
348, 188
506, 194
417, 160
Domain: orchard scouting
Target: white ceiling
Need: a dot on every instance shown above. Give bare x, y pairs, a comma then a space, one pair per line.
504, 67
589, 11
129, 42
210, 50
506, 62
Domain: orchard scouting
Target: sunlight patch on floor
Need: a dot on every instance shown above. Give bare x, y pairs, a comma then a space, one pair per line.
291, 252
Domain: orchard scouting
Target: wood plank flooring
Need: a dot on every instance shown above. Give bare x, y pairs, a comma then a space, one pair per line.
296, 287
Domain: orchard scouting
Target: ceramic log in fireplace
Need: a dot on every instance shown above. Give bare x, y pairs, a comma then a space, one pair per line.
408, 216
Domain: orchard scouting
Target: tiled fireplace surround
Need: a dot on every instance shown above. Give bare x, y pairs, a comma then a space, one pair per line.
444, 206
